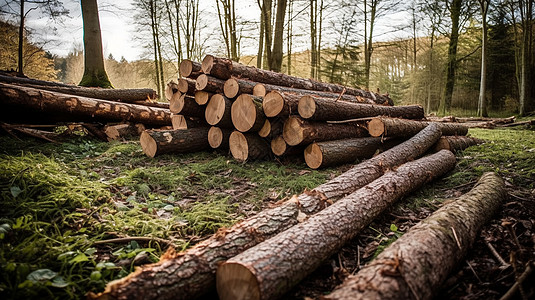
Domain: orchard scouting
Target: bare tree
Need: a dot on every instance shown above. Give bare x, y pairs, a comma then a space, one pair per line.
272, 39
227, 23
482, 103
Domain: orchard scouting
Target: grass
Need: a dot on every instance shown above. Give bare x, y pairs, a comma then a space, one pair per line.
59, 199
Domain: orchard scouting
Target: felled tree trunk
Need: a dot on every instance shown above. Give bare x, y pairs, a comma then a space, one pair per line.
186, 86
262, 89
157, 142
19, 102
202, 97
456, 143
418, 263
390, 127
235, 86
217, 111
279, 147
278, 104
316, 108
183, 122
189, 68
219, 137
247, 114
170, 89
248, 146
210, 84
273, 267
191, 274
299, 132
123, 131
271, 128
186, 105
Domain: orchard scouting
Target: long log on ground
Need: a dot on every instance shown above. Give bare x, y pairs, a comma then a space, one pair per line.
18, 101
170, 89
157, 142
259, 274
337, 152
202, 97
183, 122
219, 137
390, 127
186, 105
186, 86
456, 143
191, 274
418, 263
209, 84
217, 111
225, 68
122, 131
317, 108
300, 132
189, 68
248, 146
247, 114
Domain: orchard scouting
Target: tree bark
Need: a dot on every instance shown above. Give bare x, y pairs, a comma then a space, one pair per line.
19, 102
271, 128
455, 12
187, 86
482, 103
157, 142
247, 114
183, 122
191, 274
219, 137
456, 143
279, 147
235, 86
217, 111
189, 69
186, 105
170, 89
271, 268
123, 131
275, 63
316, 108
262, 89
337, 152
248, 146
224, 69
300, 132
202, 97
404, 128
210, 84
418, 263
279, 104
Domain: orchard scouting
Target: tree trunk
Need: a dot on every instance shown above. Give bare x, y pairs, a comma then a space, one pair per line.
456, 143
189, 69
248, 146
219, 137
217, 111
170, 89
94, 72
191, 274
210, 84
183, 122
405, 128
157, 142
418, 263
123, 131
271, 128
273, 267
247, 114
20, 63
337, 152
280, 104
316, 108
276, 53
235, 86
186, 105
279, 147
224, 69
455, 12
300, 132
202, 97
187, 86
19, 102
482, 103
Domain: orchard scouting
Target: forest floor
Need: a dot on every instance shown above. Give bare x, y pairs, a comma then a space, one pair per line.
61, 203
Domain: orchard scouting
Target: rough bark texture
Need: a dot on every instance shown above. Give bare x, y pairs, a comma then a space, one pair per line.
337, 152
317, 108
389, 127
217, 111
202, 97
183, 122
417, 264
271, 268
456, 143
123, 131
187, 86
190, 69
186, 105
19, 102
191, 274
157, 142
278, 104
248, 146
219, 137
299, 132
247, 114
225, 68
235, 86
210, 84
272, 128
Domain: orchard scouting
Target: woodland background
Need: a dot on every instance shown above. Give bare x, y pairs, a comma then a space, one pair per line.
428, 52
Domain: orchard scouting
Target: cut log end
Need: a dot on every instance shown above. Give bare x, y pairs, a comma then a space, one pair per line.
238, 146
266, 129
259, 90
201, 82
306, 107
148, 144
273, 104
170, 89
313, 156
376, 127
202, 97
243, 113
215, 109
231, 88
185, 68
215, 137
179, 122
177, 103
293, 131
207, 64
278, 146
183, 85
235, 282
